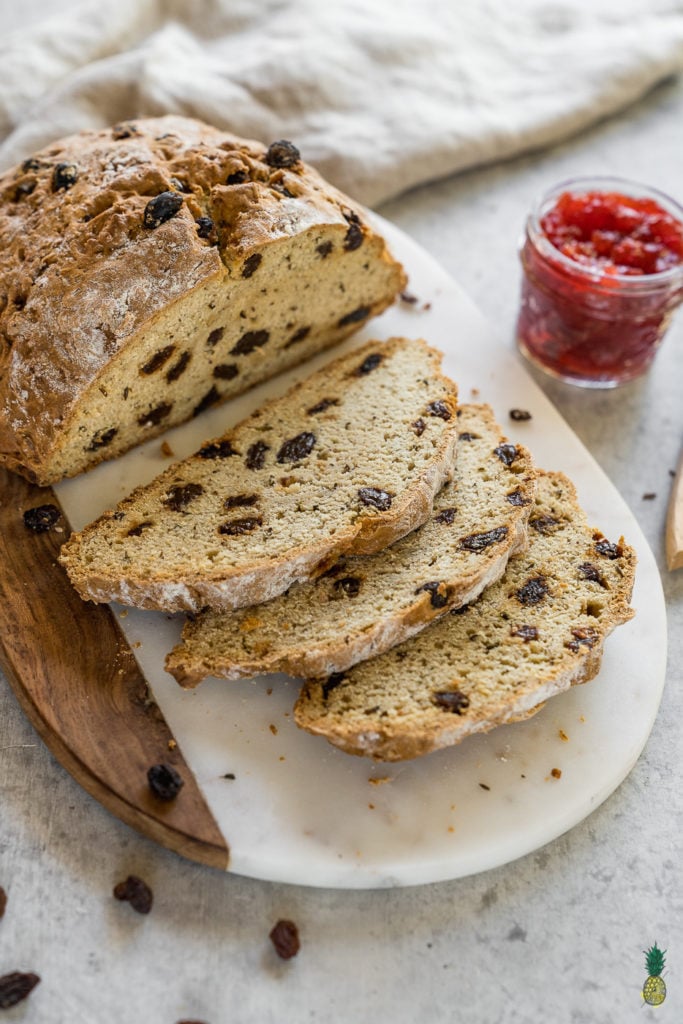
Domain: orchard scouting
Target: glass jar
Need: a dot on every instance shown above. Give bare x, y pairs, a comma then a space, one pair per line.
584, 324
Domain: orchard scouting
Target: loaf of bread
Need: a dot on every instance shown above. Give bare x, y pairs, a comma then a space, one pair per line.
348, 460
152, 270
536, 632
365, 604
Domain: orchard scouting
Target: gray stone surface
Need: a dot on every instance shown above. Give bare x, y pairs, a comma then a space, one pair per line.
554, 937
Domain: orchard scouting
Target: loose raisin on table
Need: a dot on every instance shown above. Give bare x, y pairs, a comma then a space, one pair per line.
217, 450
481, 541
136, 892
238, 527
251, 264
451, 700
375, 498
179, 497
439, 409
297, 448
285, 939
533, 591
3, 902
282, 153
369, 364
161, 208
15, 987
507, 453
249, 342
164, 781
520, 415
256, 455
64, 177
41, 518
438, 592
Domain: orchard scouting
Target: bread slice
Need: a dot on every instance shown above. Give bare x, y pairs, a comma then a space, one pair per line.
153, 269
536, 632
366, 604
348, 460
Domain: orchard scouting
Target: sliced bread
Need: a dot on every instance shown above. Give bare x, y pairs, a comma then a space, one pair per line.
536, 632
366, 604
349, 460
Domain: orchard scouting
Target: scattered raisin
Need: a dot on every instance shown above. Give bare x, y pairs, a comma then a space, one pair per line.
589, 572
439, 409
507, 453
179, 497
461, 610
324, 249
31, 164
446, 515
161, 208
607, 550
285, 939
322, 406
349, 585
451, 700
369, 364
206, 229
517, 498
533, 591
164, 781
24, 188
419, 426
353, 239
354, 317
102, 438
251, 264
650, 496
210, 398
15, 987
179, 367
136, 892
238, 527
158, 360
217, 450
332, 682
154, 417
299, 335
544, 524
282, 154
3, 902
249, 342
376, 498
556, 773
526, 633
466, 436
520, 415
582, 635
41, 518
225, 371
236, 178
136, 531
241, 501
215, 336
297, 448
411, 300
123, 131
480, 541
256, 455
64, 177
438, 592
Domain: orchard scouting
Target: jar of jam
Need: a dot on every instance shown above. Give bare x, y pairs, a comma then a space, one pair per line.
603, 272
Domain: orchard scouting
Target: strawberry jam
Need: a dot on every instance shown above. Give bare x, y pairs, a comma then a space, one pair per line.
603, 272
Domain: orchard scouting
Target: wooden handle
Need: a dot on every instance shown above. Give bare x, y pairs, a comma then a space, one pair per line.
674, 522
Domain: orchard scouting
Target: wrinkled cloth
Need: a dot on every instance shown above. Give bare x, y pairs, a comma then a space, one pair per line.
380, 96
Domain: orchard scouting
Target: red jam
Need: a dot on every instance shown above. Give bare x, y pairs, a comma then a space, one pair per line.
603, 271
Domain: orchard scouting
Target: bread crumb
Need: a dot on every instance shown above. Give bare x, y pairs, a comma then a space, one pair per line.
484, 786
269, 691
556, 773
371, 806
281, 757
172, 744
581, 718
563, 736
408, 298
123, 614
273, 729
474, 392
426, 306
649, 496
167, 450
380, 781
138, 643
450, 829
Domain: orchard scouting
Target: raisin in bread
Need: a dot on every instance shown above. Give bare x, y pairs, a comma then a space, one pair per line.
151, 270
350, 459
366, 604
536, 632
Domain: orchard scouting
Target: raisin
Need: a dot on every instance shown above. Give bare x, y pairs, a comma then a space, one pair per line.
210, 398
332, 682
589, 572
607, 550
520, 415
236, 178
215, 336
533, 591
461, 610
451, 700
136, 531
15, 987
369, 364
249, 342
439, 409
376, 498
179, 497
25, 188
411, 300
217, 450
64, 177
206, 228
507, 453
164, 781
517, 498
466, 436
282, 154
447, 515
282, 189
349, 585
650, 496
419, 426
154, 417
582, 635
238, 527
353, 239
354, 317
299, 335
182, 186
102, 438
161, 208
526, 633
123, 131
256, 455
285, 939
297, 448
225, 371
179, 367
251, 264
31, 164
41, 518
438, 592
481, 541
544, 524
324, 249
3, 902
322, 406
158, 360
241, 501
136, 892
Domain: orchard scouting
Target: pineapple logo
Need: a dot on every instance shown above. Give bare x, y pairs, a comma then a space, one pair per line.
654, 989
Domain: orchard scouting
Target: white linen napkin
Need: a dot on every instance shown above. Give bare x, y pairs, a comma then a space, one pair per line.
379, 95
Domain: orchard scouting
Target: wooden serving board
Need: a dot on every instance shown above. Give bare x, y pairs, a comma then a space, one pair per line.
79, 684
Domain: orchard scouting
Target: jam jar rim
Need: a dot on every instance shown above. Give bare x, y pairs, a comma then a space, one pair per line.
597, 183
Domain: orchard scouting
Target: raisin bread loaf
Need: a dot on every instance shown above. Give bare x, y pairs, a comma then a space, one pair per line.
366, 604
536, 632
348, 460
151, 270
